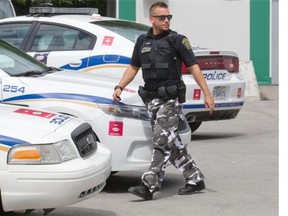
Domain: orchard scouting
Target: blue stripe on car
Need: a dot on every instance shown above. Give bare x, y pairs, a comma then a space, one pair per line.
198, 106
99, 60
97, 99
78, 97
10, 141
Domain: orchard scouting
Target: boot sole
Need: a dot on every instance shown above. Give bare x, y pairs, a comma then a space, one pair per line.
139, 195
202, 187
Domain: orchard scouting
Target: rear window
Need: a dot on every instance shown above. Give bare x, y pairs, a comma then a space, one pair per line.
129, 30
14, 33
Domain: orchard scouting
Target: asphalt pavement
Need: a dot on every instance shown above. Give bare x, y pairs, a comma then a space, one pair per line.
238, 157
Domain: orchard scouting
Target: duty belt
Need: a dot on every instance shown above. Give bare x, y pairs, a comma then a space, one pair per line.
164, 93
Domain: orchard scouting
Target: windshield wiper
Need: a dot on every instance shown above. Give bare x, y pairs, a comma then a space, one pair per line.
37, 72
29, 73
51, 69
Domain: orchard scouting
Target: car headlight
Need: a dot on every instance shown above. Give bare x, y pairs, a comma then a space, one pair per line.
54, 153
128, 111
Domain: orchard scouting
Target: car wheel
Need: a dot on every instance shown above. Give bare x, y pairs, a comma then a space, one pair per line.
194, 126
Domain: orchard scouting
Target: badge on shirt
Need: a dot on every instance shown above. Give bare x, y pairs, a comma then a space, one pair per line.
146, 49
186, 43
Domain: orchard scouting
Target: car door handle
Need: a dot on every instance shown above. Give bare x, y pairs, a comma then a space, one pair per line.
75, 64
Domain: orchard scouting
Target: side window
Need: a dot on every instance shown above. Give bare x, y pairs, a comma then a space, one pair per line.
59, 38
14, 33
83, 41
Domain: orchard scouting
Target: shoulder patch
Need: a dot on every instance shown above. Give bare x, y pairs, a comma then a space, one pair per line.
186, 43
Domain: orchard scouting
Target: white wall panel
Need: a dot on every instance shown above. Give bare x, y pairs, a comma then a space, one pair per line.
218, 24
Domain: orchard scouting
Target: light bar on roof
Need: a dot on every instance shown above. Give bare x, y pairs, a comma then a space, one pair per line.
61, 10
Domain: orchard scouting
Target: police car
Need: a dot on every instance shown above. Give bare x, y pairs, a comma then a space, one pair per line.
48, 160
103, 45
123, 127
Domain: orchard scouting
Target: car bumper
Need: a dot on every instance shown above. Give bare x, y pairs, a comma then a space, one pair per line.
51, 186
227, 104
222, 111
216, 115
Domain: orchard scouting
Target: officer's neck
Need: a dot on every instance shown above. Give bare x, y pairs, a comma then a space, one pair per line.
157, 33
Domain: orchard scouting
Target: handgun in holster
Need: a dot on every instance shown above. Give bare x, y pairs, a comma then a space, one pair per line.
181, 86
144, 94
182, 92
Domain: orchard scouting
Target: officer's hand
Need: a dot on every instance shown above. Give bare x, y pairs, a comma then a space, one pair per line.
116, 94
209, 103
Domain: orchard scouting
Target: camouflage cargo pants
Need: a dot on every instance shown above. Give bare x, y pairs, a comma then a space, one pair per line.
167, 146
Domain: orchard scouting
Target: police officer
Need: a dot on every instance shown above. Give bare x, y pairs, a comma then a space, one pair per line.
160, 54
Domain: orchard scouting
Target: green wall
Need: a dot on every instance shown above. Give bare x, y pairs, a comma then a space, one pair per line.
127, 9
260, 39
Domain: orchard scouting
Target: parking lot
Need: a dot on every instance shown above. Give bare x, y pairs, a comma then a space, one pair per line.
238, 157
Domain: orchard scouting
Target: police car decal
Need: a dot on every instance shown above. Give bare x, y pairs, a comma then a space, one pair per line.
13, 88
10, 141
58, 119
42, 56
115, 128
215, 76
108, 41
197, 94
99, 60
34, 113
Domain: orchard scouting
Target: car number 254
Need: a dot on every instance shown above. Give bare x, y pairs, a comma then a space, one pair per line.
13, 88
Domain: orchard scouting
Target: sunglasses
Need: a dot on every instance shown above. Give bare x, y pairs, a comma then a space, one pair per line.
163, 17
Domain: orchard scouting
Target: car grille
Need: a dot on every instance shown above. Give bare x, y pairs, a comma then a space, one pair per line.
85, 140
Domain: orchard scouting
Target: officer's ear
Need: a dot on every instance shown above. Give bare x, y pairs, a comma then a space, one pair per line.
151, 19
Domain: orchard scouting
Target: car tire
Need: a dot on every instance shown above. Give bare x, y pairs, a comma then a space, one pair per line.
194, 126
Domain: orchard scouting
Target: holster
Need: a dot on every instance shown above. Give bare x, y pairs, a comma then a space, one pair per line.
182, 92
144, 94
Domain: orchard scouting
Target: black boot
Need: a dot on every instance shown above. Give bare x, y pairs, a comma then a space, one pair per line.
190, 189
141, 191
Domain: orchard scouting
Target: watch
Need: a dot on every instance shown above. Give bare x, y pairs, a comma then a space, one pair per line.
118, 86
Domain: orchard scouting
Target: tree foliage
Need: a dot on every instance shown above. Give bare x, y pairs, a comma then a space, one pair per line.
22, 6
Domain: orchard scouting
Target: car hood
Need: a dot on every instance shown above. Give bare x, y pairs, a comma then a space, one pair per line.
28, 124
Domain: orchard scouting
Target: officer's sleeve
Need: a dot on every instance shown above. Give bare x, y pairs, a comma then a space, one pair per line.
185, 51
135, 59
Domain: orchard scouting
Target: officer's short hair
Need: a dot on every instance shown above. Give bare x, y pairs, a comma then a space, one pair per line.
157, 4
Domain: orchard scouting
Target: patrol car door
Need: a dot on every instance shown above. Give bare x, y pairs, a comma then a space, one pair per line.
62, 46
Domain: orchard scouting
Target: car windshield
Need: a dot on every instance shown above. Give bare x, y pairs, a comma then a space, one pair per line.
6, 9
15, 62
127, 29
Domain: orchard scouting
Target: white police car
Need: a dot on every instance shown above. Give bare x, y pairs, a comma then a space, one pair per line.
48, 160
123, 127
103, 45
